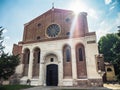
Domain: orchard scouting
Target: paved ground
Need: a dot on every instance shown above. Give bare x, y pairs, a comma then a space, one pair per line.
106, 87
112, 86
67, 88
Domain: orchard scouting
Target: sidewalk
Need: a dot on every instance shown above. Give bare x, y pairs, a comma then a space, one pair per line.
67, 88
106, 87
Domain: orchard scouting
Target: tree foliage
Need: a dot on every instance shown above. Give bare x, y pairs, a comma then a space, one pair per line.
105, 46
8, 62
1, 40
109, 46
7, 65
116, 62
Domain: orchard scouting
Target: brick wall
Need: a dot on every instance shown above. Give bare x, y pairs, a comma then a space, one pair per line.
17, 49
64, 18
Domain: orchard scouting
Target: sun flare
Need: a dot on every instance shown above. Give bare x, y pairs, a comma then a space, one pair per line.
77, 6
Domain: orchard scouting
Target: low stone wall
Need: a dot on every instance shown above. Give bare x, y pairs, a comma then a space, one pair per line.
95, 82
90, 82
6, 82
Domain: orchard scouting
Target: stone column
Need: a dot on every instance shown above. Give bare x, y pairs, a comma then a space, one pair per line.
74, 68
41, 70
21, 63
44, 74
30, 65
60, 69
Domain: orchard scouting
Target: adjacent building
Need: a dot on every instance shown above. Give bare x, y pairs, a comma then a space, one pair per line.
109, 72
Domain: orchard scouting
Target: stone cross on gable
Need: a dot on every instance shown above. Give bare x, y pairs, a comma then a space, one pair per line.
52, 6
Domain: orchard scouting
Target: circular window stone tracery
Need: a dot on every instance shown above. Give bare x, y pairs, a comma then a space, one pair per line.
53, 30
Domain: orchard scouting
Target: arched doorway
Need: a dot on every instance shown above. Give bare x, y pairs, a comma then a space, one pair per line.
52, 75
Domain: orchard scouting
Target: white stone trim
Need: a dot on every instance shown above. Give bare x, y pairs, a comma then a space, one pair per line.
30, 65
56, 47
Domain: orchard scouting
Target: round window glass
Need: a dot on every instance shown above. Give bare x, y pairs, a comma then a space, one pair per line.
53, 30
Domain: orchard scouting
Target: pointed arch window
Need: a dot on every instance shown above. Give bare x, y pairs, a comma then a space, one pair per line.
80, 51
38, 57
67, 62
28, 58
67, 53
80, 61
80, 54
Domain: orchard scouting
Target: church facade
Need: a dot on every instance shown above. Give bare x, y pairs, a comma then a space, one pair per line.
58, 50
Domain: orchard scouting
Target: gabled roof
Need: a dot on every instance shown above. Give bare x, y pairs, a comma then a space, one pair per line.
49, 11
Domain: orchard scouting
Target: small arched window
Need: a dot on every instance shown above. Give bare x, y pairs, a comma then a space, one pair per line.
67, 20
38, 37
28, 56
67, 53
68, 33
109, 69
80, 53
38, 57
39, 24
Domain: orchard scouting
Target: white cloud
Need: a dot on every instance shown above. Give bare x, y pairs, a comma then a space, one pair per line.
114, 3
117, 21
103, 29
92, 13
8, 45
8, 49
74, 5
5, 30
108, 26
111, 8
7, 38
108, 1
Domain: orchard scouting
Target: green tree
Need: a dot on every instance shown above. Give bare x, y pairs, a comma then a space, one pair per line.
7, 62
109, 46
1, 40
116, 62
105, 46
7, 65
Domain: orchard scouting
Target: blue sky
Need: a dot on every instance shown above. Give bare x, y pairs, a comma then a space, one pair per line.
103, 15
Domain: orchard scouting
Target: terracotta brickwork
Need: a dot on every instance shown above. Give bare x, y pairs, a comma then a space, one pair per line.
36, 62
26, 57
25, 70
35, 30
17, 49
81, 64
100, 62
67, 65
